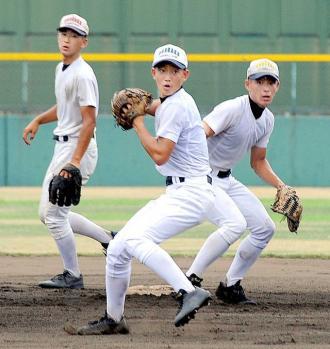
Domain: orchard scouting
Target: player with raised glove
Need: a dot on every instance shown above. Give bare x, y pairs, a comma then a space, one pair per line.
129, 103
287, 203
66, 189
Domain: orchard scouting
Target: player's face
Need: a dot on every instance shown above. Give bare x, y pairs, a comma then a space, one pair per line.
262, 91
169, 78
70, 44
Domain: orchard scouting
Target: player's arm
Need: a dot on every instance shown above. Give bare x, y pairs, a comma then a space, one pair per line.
88, 114
32, 128
159, 149
207, 129
151, 110
262, 167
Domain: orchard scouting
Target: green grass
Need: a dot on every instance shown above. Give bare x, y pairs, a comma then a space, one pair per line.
19, 218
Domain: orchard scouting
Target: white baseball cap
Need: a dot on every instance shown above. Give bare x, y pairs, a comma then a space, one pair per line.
262, 67
74, 22
172, 54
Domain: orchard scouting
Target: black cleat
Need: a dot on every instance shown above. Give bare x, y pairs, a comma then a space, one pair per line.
195, 280
105, 245
233, 294
106, 325
65, 280
189, 303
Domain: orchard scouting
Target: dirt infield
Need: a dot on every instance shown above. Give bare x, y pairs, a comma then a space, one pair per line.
293, 307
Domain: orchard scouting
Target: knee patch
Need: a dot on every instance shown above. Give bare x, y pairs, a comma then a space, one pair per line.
233, 231
58, 228
264, 233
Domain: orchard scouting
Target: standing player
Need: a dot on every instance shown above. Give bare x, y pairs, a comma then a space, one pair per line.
233, 128
75, 112
180, 153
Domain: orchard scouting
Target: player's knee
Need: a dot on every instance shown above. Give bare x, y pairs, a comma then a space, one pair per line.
57, 227
232, 231
264, 233
118, 259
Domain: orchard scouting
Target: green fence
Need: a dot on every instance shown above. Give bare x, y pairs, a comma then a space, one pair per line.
298, 152
201, 27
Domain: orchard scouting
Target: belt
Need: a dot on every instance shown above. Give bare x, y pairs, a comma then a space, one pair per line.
170, 180
224, 174
61, 138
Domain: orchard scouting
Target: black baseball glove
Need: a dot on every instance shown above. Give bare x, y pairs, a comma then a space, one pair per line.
66, 191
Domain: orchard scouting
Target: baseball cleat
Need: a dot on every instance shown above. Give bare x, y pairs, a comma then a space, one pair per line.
105, 325
65, 280
233, 294
106, 244
189, 303
195, 280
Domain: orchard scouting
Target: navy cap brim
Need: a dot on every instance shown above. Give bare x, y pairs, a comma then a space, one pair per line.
261, 75
171, 61
79, 32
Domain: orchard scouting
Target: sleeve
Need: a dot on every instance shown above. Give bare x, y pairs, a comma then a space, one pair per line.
221, 117
171, 122
86, 92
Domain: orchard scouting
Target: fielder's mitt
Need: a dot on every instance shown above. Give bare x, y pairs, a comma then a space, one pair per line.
129, 103
288, 204
66, 191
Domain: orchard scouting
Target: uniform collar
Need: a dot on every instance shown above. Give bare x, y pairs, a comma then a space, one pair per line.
162, 99
256, 110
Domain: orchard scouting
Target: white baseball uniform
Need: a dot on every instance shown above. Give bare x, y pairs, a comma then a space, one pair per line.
187, 202
75, 87
236, 130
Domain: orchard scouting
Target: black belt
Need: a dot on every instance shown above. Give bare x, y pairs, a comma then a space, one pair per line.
61, 138
169, 180
224, 174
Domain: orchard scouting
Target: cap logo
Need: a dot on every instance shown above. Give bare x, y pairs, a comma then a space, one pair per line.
265, 64
73, 19
169, 50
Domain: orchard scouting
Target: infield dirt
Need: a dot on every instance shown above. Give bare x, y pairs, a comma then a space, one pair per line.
293, 307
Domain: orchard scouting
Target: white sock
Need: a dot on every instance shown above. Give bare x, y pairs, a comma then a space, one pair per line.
116, 291
162, 264
83, 226
214, 247
245, 257
67, 248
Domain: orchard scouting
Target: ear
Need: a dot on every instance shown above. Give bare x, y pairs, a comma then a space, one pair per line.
247, 84
278, 86
186, 74
84, 42
153, 73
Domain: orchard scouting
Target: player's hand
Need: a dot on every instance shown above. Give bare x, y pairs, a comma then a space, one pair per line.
30, 131
138, 120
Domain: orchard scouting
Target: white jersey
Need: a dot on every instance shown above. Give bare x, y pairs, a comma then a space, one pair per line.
75, 87
178, 119
236, 132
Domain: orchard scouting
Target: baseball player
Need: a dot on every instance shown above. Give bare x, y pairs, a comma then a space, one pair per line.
179, 151
235, 127
75, 111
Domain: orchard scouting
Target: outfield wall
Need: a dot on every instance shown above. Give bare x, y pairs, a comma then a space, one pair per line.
297, 151
208, 27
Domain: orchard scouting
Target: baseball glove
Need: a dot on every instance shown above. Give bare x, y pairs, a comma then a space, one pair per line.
66, 191
288, 204
129, 103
